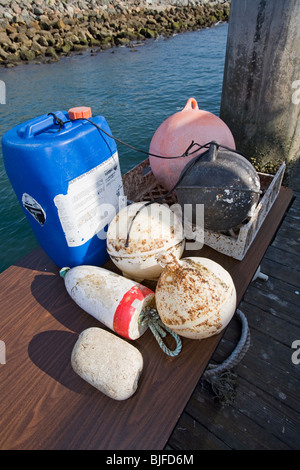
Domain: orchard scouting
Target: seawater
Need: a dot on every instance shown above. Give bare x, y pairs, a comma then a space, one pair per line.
135, 90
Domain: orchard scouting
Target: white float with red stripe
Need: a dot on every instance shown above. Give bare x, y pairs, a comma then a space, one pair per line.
114, 300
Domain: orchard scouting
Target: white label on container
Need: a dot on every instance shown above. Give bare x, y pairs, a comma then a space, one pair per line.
92, 200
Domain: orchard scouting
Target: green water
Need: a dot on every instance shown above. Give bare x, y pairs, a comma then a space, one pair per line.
134, 90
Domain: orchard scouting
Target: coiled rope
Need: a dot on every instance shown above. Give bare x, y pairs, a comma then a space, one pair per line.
219, 376
151, 317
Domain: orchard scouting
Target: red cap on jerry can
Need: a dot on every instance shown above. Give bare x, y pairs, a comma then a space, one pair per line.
80, 112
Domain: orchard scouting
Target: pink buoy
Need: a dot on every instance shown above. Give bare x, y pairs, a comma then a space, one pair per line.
175, 135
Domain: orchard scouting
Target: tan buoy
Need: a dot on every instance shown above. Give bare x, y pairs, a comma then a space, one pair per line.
138, 234
195, 297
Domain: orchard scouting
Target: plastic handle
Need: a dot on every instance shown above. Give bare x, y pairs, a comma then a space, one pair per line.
213, 151
40, 125
191, 103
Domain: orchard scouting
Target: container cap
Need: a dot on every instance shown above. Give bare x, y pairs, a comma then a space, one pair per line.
80, 112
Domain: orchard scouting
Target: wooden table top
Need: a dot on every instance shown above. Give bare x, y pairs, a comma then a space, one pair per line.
45, 405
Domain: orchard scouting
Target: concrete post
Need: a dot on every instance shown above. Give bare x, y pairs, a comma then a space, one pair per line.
261, 88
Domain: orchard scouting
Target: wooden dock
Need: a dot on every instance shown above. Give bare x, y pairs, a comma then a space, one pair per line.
265, 414
45, 405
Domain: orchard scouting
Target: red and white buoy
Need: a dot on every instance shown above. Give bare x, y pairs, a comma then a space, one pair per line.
114, 300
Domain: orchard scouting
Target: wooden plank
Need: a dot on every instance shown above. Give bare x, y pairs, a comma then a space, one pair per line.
279, 271
288, 239
45, 405
276, 373
282, 256
273, 416
264, 415
192, 435
279, 290
278, 303
230, 424
270, 378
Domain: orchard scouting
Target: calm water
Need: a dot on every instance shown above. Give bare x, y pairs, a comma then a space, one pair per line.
135, 91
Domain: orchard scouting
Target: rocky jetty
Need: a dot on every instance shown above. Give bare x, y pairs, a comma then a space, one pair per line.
44, 31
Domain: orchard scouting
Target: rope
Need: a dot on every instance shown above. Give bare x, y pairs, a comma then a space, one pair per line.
219, 376
159, 330
58, 121
188, 152
237, 355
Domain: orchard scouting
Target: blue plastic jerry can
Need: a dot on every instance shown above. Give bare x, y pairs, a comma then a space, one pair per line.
65, 172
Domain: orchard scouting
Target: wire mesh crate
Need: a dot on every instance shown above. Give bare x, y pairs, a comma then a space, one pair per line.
141, 185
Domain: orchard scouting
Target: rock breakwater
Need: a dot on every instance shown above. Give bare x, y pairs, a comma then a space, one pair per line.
35, 30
